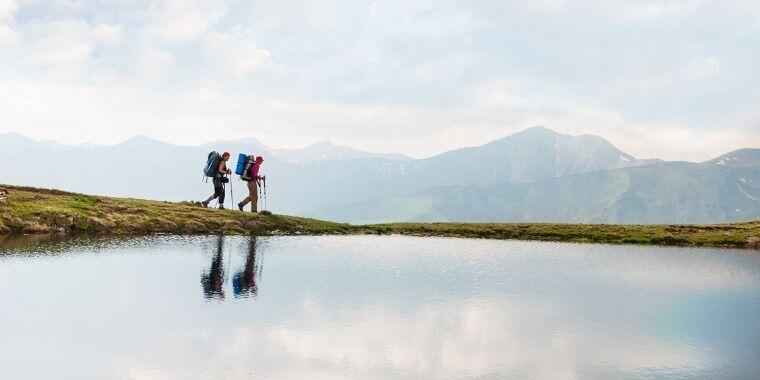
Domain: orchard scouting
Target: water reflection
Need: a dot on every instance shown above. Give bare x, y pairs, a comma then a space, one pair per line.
376, 308
213, 278
244, 282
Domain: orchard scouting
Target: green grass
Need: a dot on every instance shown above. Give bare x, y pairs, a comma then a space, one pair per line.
30, 210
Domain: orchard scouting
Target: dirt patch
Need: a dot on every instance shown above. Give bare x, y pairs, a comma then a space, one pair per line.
35, 228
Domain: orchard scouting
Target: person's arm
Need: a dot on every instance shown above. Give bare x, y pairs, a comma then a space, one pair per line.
223, 168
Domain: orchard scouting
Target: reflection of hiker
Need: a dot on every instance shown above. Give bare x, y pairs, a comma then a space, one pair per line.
244, 282
252, 178
213, 280
219, 180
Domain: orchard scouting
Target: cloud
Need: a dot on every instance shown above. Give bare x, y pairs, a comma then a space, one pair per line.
153, 63
107, 34
60, 43
177, 20
235, 54
413, 77
7, 35
481, 339
7, 9
457, 339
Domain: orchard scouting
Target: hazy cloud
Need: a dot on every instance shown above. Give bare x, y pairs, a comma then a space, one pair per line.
178, 20
7, 8
673, 79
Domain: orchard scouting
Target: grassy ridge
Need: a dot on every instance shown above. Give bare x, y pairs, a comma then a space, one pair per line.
30, 210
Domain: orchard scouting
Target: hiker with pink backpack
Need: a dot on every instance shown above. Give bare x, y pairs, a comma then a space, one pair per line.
250, 174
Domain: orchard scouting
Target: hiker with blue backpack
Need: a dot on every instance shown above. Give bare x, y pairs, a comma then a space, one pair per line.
216, 168
249, 172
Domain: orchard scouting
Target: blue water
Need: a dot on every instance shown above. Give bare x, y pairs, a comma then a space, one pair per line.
374, 308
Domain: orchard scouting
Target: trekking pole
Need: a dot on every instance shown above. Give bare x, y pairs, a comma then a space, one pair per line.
258, 184
217, 198
265, 193
232, 206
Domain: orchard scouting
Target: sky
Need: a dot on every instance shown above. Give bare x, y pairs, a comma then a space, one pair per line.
671, 79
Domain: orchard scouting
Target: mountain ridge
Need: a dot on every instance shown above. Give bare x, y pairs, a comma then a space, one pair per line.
534, 161
662, 193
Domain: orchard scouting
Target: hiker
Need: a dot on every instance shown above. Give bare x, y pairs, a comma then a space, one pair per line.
219, 181
253, 188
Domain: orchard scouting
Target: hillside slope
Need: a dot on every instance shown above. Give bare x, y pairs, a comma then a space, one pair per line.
661, 193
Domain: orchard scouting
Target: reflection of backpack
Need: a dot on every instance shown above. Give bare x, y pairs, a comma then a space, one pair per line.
243, 166
212, 164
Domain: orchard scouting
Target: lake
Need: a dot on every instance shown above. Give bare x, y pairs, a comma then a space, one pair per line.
374, 307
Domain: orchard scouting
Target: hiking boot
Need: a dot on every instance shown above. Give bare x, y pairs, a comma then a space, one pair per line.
221, 207
204, 203
240, 206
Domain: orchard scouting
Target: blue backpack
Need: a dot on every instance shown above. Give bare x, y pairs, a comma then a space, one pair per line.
243, 166
212, 164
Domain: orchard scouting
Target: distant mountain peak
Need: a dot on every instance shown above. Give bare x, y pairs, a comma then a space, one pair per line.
538, 129
251, 140
142, 142
534, 132
14, 136
321, 144
139, 139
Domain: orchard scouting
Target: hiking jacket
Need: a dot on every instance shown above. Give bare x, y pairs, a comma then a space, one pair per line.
254, 171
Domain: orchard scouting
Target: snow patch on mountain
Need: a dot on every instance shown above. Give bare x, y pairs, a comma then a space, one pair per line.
747, 195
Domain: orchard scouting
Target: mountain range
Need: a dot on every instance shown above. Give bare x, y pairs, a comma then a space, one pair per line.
533, 175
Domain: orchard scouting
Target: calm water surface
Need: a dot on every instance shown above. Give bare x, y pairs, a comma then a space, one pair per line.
374, 308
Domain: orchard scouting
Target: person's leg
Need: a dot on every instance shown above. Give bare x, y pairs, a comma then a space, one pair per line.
254, 194
221, 193
248, 198
218, 193
213, 196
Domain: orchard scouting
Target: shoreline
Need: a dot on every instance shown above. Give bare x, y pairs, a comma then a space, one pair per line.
27, 210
